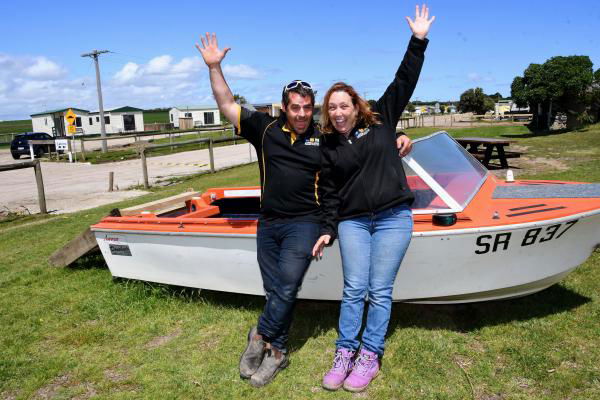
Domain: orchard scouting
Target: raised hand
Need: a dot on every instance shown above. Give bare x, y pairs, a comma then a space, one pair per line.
210, 51
420, 26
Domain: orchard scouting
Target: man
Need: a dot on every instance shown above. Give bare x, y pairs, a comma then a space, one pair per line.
289, 224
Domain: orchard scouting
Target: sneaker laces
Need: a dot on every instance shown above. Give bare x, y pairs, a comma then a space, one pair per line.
364, 363
341, 362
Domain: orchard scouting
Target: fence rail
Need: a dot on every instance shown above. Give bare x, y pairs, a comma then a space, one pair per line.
35, 164
143, 147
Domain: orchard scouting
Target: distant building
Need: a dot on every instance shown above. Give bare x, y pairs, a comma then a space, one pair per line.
508, 106
187, 117
116, 120
273, 109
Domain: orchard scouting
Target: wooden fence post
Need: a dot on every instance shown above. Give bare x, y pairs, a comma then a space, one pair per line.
211, 155
111, 176
144, 167
40, 186
82, 150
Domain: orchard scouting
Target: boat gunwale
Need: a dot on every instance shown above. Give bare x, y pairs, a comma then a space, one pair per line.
461, 231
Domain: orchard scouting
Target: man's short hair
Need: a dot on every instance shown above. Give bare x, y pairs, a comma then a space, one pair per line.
301, 87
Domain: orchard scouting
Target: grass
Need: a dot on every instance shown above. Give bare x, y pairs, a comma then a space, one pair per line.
16, 126
160, 117
76, 332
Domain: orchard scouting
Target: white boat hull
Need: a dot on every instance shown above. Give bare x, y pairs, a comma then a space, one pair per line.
440, 267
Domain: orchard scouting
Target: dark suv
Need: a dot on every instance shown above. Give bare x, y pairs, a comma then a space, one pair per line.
20, 144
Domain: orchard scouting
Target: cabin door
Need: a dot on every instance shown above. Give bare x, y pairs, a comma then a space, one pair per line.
129, 122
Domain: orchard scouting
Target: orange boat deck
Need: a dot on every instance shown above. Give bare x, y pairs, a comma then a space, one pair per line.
483, 210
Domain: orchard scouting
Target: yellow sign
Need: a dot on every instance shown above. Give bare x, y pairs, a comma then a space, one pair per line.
71, 129
70, 117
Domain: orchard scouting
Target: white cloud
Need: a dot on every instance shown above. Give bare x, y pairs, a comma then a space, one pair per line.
34, 84
241, 71
127, 73
188, 65
159, 65
476, 77
44, 69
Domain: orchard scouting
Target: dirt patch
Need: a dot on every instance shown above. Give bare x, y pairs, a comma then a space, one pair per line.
10, 395
50, 390
114, 375
162, 340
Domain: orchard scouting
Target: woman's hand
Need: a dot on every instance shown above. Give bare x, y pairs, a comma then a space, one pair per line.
420, 26
210, 51
404, 145
321, 243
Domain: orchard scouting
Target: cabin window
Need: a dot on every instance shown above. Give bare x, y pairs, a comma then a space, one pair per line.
91, 121
188, 115
78, 122
97, 119
209, 118
171, 117
107, 120
46, 121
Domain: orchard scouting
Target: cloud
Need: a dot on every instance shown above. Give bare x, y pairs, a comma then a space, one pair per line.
31, 84
241, 71
476, 77
44, 69
159, 65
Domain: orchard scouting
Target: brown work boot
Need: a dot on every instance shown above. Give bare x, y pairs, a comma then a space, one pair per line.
253, 355
274, 361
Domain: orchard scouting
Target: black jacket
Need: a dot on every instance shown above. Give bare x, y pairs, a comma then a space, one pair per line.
289, 167
363, 174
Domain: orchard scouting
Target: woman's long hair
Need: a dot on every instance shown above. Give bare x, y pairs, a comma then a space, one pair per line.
365, 116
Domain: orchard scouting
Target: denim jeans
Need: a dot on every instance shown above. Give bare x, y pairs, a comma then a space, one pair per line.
284, 254
372, 249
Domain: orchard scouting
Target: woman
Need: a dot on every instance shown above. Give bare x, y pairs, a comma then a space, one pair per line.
364, 187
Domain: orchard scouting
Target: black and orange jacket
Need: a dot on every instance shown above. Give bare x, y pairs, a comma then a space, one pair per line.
363, 174
289, 167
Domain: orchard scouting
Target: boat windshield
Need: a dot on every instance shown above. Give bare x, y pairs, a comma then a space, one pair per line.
443, 176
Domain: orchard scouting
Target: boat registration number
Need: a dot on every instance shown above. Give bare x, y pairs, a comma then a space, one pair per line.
501, 241
119, 250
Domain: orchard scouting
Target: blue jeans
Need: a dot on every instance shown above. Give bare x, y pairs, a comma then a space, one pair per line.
372, 249
284, 254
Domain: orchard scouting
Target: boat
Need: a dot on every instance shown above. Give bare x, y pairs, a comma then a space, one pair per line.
476, 237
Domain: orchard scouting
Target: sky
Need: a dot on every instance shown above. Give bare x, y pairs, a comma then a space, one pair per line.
153, 63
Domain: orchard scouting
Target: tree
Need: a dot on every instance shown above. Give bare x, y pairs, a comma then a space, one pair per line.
561, 84
410, 107
474, 100
238, 98
442, 108
496, 97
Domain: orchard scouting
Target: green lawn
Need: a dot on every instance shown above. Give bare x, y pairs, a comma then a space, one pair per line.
78, 333
161, 117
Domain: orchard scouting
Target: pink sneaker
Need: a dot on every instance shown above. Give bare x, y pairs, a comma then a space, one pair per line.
342, 365
366, 368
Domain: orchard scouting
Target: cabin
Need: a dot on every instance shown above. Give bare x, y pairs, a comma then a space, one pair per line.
116, 120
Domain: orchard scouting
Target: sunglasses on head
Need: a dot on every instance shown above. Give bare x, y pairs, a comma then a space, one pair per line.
295, 84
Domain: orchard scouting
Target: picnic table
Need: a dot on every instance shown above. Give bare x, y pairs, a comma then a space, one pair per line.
483, 149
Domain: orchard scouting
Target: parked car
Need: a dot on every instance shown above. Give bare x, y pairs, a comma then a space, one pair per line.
20, 144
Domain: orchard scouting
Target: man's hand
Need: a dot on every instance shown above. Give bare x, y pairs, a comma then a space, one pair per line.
321, 243
420, 26
210, 51
404, 145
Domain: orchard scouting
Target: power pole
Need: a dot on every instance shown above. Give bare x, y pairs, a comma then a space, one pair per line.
94, 54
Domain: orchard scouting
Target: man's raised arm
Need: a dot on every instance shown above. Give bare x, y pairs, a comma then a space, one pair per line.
213, 56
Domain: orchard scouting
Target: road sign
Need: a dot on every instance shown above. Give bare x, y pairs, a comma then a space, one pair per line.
70, 117
61, 144
71, 129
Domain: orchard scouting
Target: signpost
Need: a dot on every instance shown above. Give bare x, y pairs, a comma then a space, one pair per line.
71, 118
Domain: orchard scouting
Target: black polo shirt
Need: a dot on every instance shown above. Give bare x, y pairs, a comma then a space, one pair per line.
289, 167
